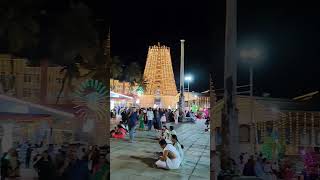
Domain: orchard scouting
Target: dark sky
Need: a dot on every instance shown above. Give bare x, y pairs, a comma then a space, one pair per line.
287, 33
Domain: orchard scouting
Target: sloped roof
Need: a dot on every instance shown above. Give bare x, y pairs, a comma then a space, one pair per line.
37, 108
23, 117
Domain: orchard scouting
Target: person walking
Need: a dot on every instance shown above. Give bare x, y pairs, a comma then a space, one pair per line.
133, 118
150, 117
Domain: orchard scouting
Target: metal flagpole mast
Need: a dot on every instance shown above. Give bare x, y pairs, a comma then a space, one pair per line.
181, 106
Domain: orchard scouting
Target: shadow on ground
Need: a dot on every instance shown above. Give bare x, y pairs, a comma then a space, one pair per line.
147, 161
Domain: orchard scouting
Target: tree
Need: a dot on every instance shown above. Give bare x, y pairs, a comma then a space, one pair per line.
115, 69
134, 76
133, 72
74, 40
71, 71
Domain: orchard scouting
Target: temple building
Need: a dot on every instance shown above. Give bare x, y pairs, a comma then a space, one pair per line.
161, 87
38, 84
295, 123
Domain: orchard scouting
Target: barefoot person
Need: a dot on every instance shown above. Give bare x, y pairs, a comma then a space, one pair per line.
170, 158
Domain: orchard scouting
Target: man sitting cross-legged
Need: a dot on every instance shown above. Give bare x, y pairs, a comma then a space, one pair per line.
170, 158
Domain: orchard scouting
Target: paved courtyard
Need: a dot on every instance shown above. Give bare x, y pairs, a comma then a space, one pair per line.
133, 161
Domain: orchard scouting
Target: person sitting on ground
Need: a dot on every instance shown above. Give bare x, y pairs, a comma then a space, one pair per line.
177, 145
165, 134
119, 133
170, 158
172, 131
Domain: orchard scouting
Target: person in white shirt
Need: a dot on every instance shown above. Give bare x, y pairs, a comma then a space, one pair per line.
150, 117
177, 145
172, 131
170, 158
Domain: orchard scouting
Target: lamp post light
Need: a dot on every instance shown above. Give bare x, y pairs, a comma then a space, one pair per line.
188, 79
251, 55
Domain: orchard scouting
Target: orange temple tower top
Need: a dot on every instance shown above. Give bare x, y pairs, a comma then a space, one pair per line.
159, 73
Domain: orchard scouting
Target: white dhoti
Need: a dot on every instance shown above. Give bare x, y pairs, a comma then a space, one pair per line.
170, 163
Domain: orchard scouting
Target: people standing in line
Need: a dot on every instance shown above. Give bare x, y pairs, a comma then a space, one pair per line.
141, 119
133, 118
150, 117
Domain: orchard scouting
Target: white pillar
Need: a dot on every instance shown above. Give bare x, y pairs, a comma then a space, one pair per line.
182, 77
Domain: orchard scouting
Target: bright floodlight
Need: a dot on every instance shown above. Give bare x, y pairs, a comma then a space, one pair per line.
188, 78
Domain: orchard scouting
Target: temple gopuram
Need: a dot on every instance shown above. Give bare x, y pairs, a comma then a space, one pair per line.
161, 87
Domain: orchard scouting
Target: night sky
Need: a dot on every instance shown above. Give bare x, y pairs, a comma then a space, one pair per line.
287, 34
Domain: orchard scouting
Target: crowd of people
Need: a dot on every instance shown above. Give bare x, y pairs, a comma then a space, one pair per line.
155, 120
142, 119
63, 162
259, 166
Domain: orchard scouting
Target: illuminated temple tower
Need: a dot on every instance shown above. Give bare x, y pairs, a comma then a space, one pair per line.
161, 87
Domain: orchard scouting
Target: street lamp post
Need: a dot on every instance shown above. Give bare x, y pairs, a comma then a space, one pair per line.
251, 55
188, 79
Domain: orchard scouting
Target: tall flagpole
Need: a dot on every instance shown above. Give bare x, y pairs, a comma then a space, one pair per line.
181, 98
